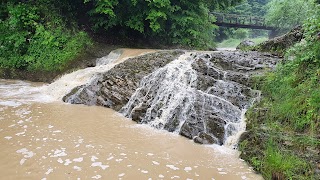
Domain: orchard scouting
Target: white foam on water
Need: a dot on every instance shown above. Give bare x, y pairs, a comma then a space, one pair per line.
77, 168
175, 177
8, 137
96, 177
187, 169
27, 154
20, 133
50, 170
22, 161
99, 164
121, 175
144, 171
59, 153
10, 103
155, 163
110, 158
60, 161
119, 160
161, 176
94, 158
80, 159
172, 167
67, 162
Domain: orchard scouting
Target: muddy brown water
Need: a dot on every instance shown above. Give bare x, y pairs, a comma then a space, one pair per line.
42, 138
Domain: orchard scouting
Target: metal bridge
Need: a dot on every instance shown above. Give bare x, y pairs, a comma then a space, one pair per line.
240, 21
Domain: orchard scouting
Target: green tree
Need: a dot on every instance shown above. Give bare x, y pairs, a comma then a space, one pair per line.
35, 36
287, 14
174, 21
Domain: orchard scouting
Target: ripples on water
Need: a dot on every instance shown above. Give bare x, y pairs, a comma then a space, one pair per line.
42, 138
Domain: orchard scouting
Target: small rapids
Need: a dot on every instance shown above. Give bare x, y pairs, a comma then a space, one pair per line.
66, 83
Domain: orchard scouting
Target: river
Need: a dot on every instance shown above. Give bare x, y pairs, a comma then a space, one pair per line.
43, 138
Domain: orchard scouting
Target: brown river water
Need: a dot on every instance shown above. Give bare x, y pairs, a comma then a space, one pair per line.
43, 138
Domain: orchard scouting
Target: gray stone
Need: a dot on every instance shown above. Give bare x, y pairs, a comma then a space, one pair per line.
244, 45
139, 87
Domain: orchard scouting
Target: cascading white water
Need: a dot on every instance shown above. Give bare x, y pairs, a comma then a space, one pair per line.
67, 82
41, 140
178, 76
171, 97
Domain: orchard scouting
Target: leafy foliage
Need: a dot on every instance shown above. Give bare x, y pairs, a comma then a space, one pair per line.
255, 8
291, 125
287, 14
35, 37
170, 21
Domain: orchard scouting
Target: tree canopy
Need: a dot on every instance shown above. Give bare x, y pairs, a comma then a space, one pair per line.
287, 14
176, 21
46, 34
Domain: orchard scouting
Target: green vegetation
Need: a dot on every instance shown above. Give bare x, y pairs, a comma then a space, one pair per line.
232, 43
254, 8
167, 21
34, 36
286, 14
47, 35
283, 129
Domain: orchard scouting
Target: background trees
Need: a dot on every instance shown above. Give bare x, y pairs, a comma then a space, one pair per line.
36, 35
287, 14
175, 21
246, 7
47, 34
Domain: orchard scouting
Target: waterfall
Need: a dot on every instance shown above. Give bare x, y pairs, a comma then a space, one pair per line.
200, 95
207, 107
66, 83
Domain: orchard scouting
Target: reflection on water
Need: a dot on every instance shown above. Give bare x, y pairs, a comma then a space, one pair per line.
44, 139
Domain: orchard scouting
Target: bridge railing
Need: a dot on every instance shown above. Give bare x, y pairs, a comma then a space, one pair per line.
238, 19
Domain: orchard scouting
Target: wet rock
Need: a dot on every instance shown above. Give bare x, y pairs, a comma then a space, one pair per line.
213, 49
205, 138
189, 130
245, 45
200, 95
279, 45
114, 88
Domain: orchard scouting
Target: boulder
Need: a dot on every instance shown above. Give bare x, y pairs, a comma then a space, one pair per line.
245, 45
280, 44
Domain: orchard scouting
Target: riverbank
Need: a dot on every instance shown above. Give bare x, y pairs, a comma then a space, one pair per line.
283, 130
86, 58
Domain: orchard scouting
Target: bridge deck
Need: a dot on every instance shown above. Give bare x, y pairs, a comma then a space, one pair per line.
240, 21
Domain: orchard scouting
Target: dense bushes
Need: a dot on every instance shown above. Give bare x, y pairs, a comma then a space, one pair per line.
35, 37
45, 35
169, 21
286, 14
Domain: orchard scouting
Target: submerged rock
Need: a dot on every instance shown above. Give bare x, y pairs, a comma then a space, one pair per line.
199, 95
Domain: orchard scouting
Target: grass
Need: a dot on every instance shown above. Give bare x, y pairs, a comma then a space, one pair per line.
232, 43
285, 140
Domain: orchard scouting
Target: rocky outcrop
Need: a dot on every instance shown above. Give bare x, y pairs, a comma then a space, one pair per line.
198, 95
114, 88
279, 45
245, 45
